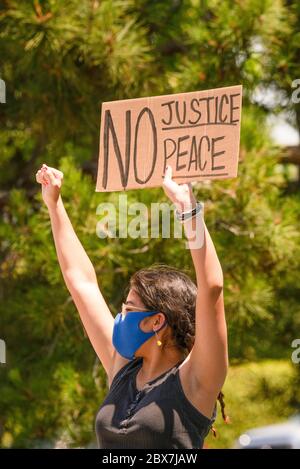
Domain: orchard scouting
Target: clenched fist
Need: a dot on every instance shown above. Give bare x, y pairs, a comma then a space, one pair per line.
51, 181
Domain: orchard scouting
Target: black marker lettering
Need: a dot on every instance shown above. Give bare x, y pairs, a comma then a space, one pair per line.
216, 109
180, 120
196, 111
109, 127
200, 149
193, 151
219, 153
168, 155
171, 112
207, 100
154, 133
180, 154
233, 108
221, 118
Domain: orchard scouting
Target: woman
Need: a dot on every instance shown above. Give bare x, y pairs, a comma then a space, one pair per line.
165, 354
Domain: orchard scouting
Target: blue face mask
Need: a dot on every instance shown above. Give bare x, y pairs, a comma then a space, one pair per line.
127, 335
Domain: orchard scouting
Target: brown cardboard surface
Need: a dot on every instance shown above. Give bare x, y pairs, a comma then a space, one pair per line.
197, 133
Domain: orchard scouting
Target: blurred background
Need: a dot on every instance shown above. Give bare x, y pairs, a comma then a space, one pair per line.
59, 60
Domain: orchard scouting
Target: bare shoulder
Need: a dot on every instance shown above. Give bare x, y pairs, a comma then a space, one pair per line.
117, 363
203, 400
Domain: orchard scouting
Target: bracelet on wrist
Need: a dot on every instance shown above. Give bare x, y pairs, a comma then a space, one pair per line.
183, 216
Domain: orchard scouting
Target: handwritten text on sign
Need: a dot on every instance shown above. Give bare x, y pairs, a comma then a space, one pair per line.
197, 133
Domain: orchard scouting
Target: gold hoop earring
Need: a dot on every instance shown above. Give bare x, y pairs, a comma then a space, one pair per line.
159, 343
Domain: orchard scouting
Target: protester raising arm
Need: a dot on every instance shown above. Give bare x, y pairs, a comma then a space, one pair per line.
77, 270
208, 360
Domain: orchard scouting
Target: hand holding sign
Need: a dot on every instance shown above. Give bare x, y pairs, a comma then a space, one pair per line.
180, 194
184, 200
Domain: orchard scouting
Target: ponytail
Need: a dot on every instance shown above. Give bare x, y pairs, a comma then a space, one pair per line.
226, 419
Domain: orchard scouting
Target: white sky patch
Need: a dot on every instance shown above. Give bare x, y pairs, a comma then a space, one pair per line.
282, 132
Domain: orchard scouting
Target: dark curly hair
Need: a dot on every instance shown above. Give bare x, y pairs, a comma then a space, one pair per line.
171, 291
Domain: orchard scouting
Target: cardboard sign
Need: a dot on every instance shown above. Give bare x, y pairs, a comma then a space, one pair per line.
197, 133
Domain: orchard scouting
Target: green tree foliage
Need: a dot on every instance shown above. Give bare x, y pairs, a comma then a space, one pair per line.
257, 395
60, 60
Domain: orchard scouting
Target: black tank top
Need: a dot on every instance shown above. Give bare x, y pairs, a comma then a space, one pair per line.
157, 417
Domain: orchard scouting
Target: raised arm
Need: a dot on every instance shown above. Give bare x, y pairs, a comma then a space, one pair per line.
208, 359
77, 270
